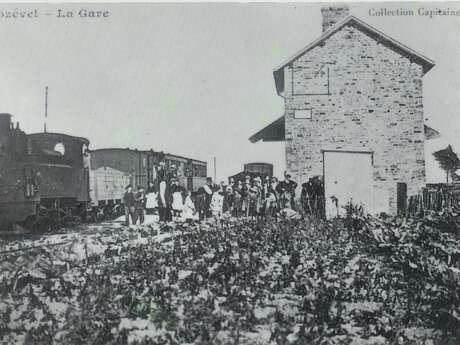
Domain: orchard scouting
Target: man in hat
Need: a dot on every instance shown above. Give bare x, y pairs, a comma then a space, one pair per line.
245, 196
139, 203
200, 203
237, 198
129, 202
265, 194
286, 190
164, 197
229, 198
272, 198
209, 191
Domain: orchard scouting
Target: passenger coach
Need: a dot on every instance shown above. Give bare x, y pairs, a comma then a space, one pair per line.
112, 169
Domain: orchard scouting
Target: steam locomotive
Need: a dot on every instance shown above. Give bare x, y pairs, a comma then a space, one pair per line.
48, 177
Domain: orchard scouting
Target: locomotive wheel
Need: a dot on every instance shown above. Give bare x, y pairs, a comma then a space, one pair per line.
51, 219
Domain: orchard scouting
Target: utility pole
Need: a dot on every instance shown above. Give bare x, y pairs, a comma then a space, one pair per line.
215, 169
46, 108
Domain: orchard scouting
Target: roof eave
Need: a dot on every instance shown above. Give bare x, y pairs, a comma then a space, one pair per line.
275, 132
279, 80
426, 63
430, 133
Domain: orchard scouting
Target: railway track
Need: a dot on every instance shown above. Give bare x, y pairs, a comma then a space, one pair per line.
17, 250
97, 231
90, 230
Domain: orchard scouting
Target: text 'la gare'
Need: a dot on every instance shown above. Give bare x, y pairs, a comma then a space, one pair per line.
83, 13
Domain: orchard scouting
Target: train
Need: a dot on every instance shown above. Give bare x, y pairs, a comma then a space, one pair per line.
112, 169
46, 178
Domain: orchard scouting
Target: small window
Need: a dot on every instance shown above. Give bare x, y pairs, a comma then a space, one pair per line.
303, 113
144, 162
59, 147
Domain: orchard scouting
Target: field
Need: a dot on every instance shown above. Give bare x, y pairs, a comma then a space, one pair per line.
350, 281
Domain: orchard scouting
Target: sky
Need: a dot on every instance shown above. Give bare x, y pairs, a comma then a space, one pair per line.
194, 79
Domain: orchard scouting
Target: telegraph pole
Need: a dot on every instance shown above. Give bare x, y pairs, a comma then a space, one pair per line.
46, 108
215, 169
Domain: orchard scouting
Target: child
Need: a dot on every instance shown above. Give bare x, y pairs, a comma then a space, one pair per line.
189, 208
217, 203
151, 195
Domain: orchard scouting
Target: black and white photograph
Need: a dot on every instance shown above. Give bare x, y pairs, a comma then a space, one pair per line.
230, 173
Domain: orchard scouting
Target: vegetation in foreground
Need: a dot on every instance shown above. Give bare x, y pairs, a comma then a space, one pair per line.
355, 280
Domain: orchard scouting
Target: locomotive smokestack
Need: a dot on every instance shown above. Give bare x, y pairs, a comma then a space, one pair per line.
5, 127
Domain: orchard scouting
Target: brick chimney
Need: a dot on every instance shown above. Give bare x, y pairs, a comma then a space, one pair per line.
333, 14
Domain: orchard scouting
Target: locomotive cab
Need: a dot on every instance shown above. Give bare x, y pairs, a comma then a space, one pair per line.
42, 176
59, 160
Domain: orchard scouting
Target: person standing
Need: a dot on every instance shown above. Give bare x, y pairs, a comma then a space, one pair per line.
237, 198
200, 203
189, 208
255, 193
272, 198
292, 185
208, 189
151, 196
128, 200
178, 197
265, 194
318, 196
260, 197
139, 203
217, 202
245, 196
229, 198
164, 198
286, 191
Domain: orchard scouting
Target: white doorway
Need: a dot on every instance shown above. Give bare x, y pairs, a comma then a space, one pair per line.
347, 178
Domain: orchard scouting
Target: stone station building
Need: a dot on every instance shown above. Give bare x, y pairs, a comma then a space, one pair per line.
354, 115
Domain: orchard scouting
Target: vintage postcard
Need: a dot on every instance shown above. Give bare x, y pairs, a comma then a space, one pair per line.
230, 173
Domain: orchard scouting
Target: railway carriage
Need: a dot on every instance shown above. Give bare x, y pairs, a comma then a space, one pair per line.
112, 169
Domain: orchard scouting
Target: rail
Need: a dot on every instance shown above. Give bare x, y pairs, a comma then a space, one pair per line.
33, 247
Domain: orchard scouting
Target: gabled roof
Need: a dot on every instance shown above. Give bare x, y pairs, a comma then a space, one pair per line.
425, 62
275, 131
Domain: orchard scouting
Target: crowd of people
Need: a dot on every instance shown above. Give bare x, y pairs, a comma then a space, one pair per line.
254, 197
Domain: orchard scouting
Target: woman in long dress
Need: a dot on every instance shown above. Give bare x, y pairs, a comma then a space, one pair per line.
151, 195
178, 198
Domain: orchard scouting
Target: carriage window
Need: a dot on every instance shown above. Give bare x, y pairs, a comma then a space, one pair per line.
29, 148
59, 147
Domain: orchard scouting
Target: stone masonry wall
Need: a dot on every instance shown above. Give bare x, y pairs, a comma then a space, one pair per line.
375, 104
